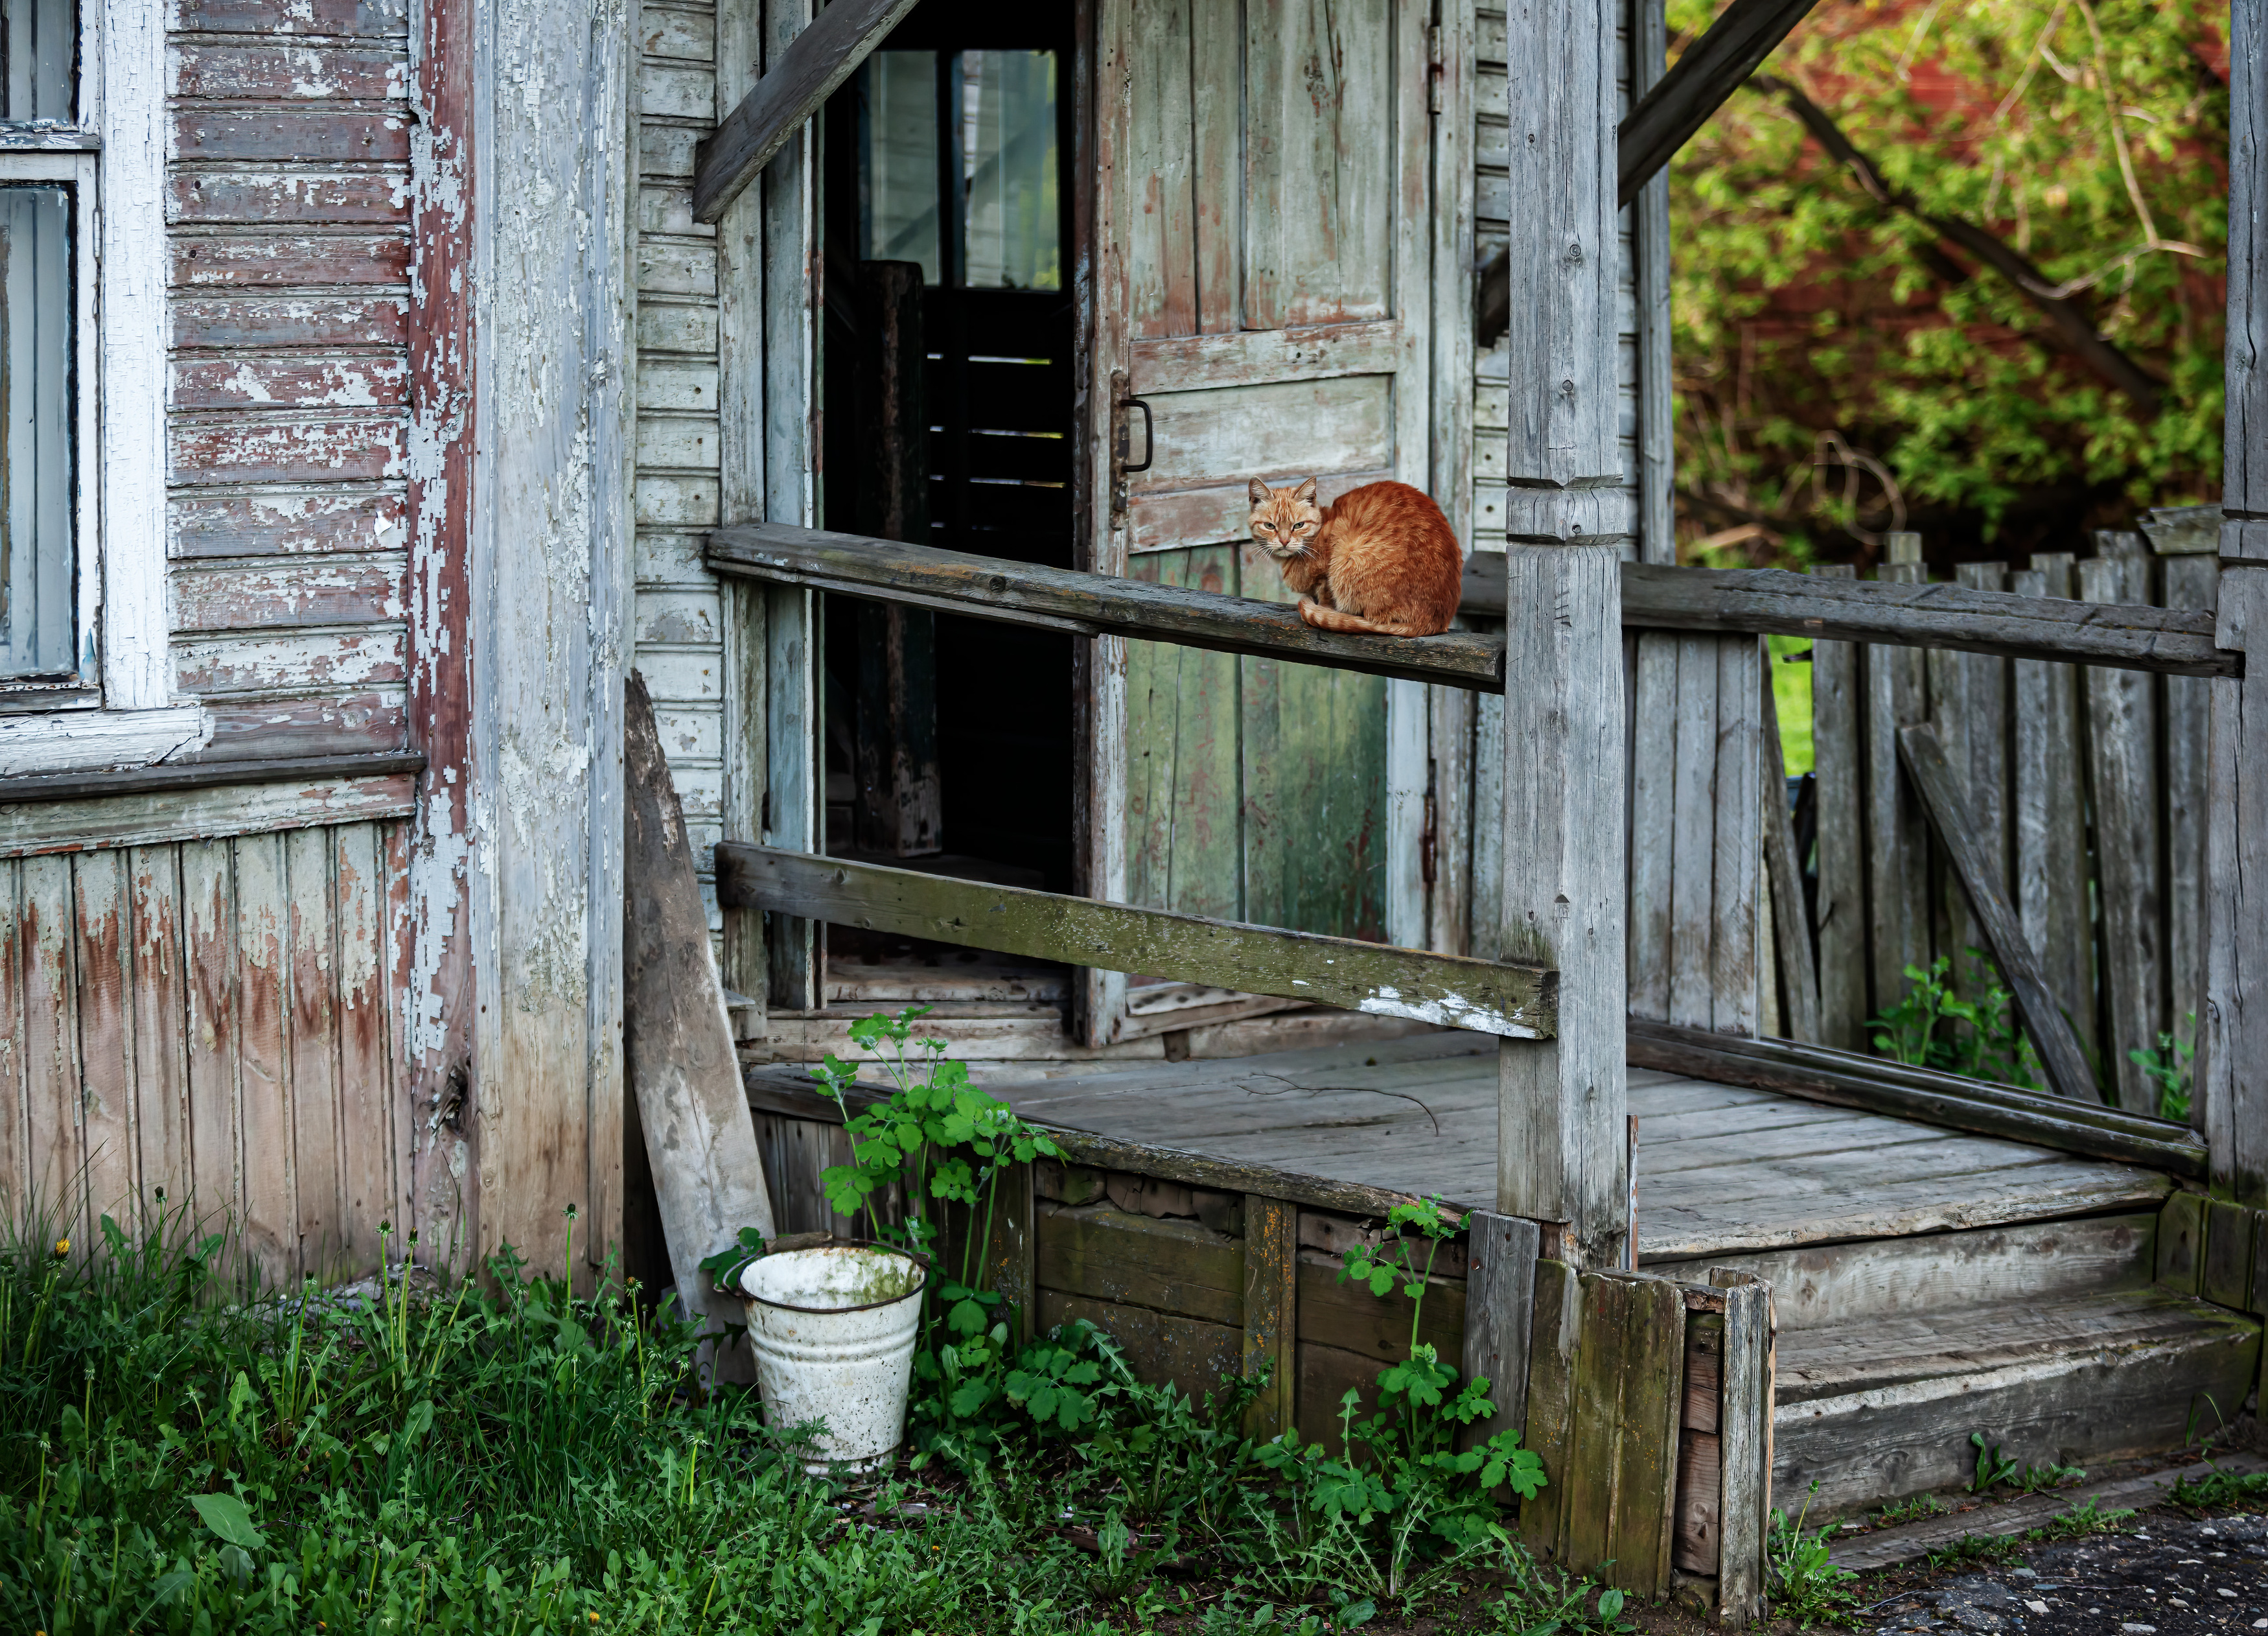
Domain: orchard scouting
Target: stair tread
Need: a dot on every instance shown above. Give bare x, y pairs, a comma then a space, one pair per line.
1881, 1352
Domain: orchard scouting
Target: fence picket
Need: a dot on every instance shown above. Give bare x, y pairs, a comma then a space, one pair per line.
1897, 838
2190, 582
1835, 691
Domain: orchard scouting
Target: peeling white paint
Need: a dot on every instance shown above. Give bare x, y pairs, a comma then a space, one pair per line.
1447, 1010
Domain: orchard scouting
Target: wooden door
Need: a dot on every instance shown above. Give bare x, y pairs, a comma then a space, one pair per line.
1262, 284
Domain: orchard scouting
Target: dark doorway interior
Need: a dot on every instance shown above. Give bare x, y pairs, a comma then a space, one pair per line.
952, 149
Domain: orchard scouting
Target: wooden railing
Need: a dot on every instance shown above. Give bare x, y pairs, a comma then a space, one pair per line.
1749, 601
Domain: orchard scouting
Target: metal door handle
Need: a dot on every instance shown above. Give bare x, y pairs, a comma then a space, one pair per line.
1149, 438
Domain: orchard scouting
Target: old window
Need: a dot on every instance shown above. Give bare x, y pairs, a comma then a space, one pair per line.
84, 677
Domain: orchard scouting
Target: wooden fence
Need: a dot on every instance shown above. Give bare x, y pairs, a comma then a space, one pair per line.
2088, 786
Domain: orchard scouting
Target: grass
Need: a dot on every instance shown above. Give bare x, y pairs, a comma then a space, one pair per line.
180, 1457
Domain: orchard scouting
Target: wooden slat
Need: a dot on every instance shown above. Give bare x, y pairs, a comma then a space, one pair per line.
311, 974
2226, 1277
1555, 1337
1791, 920
798, 80
1735, 963
53, 1131
1968, 842
160, 1023
2234, 1075
1090, 604
2190, 582
1499, 1310
2180, 1241
1897, 839
2244, 485
1270, 1310
15, 1116
369, 1136
1629, 1399
1692, 831
103, 968
1908, 612
271, 1209
1837, 760
2050, 815
1515, 1001
2122, 722
1744, 1447
137, 820
210, 957
1846, 1079
1700, 1456
1653, 815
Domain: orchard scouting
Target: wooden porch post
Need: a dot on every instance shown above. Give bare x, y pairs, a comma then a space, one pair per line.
1561, 1103
2234, 1049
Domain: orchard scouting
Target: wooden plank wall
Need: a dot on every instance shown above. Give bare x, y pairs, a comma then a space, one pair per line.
680, 619
212, 1018
2089, 782
288, 218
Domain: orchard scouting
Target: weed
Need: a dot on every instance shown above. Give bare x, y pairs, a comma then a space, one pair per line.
2172, 1068
1992, 1470
1933, 1027
2039, 1480
2081, 1520
1549, 1602
1914, 1510
1806, 1585
2217, 1487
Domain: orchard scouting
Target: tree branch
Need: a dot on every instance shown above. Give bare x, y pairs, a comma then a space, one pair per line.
2069, 320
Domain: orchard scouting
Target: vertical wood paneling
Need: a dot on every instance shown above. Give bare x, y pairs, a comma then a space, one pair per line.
1737, 864
15, 1130
2233, 1080
1488, 826
101, 927
312, 1043
2121, 734
1215, 79
209, 889
1163, 134
1449, 908
160, 1018
1693, 837
52, 1096
1897, 836
2190, 582
1186, 841
1841, 906
1653, 808
271, 1213
2050, 815
371, 1131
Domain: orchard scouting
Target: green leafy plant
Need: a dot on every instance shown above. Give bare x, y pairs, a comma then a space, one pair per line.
2218, 1486
2039, 1480
1550, 1602
1992, 1470
2172, 1068
1918, 1509
1806, 1585
1931, 1026
1398, 1504
2083, 1519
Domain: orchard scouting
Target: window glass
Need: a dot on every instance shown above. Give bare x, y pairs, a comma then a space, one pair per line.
39, 41
901, 172
37, 566
1008, 166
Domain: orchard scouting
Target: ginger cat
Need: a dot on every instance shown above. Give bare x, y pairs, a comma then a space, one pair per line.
1380, 559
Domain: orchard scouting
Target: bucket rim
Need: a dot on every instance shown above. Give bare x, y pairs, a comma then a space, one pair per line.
921, 1265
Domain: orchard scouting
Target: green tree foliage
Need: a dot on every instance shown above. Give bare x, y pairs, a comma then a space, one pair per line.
1842, 370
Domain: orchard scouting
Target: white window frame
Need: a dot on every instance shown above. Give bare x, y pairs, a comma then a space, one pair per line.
121, 710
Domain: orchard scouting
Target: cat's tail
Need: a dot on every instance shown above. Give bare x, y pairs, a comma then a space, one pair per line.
1338, 619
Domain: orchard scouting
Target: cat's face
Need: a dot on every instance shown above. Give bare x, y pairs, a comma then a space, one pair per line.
1284, 520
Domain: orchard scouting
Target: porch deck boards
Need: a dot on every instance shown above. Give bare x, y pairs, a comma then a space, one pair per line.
1721, 1168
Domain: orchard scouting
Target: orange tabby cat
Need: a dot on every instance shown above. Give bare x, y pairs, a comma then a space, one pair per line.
1378, 558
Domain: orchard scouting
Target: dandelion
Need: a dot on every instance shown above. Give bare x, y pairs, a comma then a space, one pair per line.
62, 1248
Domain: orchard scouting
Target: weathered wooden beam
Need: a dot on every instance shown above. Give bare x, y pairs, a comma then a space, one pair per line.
2233, 1069
1979, 872
1271, 1295
1083, 604
1845, 1080
205, 775
821, 57
1771, 600
1514, 1001
1744, 1422
1499, 1310
1710, 70
2244, 459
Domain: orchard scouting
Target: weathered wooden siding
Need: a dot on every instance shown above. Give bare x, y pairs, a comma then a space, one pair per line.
679, 621
211, 1018
288, 209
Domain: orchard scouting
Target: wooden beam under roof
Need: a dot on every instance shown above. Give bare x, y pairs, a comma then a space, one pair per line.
815, 64
1710, 70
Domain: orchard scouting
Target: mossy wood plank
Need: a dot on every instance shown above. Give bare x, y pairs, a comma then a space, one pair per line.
1699, 1496
1554, 1341
1174, 1266
1500, 1307
1195, 1356
1744, 1431
1652, 1405
2181, 1242
2225, 1279
1272, 1311
1009, 1257
1512, 1001
1594, 1460
1060, 599
1344, 1313
1184, 788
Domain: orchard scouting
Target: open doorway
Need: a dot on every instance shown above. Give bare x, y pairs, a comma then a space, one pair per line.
949, 236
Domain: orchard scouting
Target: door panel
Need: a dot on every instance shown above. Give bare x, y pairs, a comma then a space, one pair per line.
1261, 282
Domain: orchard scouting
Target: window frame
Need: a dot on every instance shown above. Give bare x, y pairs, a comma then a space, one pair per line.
120, 709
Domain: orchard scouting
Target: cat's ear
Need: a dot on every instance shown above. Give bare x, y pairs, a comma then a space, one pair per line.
1258, 490
1306, 492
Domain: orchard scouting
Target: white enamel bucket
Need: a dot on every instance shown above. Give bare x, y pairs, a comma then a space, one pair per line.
833, 1331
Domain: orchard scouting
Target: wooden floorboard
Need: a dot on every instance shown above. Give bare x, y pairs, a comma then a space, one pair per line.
1720, 1167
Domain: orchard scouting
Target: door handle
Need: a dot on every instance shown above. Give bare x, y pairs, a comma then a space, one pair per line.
1126, 468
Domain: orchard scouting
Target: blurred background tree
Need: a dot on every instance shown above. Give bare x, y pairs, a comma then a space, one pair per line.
1853, 353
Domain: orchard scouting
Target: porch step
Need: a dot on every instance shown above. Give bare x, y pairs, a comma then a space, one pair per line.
1880, 1407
